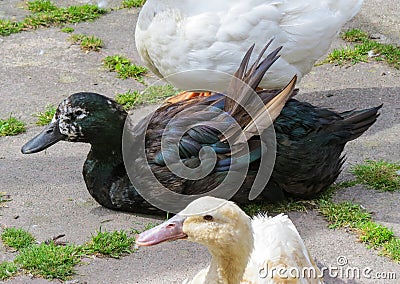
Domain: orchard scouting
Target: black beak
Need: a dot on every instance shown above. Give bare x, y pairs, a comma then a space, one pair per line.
49, 136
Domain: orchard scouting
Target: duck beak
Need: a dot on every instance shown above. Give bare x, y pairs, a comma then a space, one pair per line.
168, 231
49, 136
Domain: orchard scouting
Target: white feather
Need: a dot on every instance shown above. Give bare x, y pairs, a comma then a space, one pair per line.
269, 243
177, 35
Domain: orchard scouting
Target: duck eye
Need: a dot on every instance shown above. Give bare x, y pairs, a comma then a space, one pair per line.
78, 112
208, 218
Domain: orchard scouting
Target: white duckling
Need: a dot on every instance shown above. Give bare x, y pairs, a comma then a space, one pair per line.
244, 250
179, 35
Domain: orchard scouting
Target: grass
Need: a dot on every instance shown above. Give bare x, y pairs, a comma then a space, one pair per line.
17, 238
132, 3
363, 50
67, 30
49, 260
45, 14
87, 43
124, 67
379, 175
41, 6
112, 244
392, 249
150, 95
299, 205
128, 100
344, 214
284, 206
8, 27
375, 234
45, 117
7, 269
353, 216
11, 126
340, 215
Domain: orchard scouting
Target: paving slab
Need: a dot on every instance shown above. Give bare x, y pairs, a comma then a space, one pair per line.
49, 196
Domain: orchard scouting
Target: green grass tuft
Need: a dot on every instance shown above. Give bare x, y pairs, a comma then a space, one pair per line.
17, 238
10, 27
375, 234
45, 117
7, 269
392, 249
87, 43
299, 205
353, 216
156, 94
49, 260
354, 35
346, 54
60, 16
11, 126
46, 14
359, 52
132, 3
150, 95
380, 175
41, 6
112, 244
67, 30
344, 214
284, 206
128, 100
124, 67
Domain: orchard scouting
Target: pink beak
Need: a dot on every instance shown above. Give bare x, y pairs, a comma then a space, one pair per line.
168, 231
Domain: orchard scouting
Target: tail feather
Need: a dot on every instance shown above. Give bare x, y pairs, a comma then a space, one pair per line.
243, 100
355, 123
243, 78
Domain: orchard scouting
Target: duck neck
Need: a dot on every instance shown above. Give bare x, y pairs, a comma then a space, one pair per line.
229, 264
107, 149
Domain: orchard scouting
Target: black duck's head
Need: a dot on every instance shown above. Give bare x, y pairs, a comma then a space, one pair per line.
82, 117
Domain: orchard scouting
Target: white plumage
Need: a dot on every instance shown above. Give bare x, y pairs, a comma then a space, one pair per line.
279, 251
178, 35
244, 250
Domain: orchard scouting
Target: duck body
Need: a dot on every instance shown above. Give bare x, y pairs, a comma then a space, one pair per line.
243, 249
174, 36
309, 142
308, 160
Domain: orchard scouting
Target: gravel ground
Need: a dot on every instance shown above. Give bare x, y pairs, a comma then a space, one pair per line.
50, 197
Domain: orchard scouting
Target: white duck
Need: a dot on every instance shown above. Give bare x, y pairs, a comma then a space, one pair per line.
244, 250
179, 35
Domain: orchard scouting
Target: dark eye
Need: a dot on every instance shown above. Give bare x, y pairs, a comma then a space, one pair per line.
78, 112
208, 218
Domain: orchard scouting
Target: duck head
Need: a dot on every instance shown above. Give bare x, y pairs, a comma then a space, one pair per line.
82, 117
215, 223
219, 225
